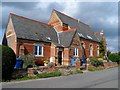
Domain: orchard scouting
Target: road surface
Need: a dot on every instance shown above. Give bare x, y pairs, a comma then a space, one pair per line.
107, 78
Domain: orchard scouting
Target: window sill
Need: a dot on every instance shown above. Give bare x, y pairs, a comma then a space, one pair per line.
76, 56
38, 55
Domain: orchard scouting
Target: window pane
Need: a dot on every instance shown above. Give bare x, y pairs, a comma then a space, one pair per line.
74, 51
35, 50
40, 50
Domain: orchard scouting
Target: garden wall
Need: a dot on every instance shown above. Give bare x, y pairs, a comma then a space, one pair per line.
63, 69
106, 65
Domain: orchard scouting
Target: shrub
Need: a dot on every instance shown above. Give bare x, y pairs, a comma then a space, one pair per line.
114, 58
8, 62
28, 61
95, 62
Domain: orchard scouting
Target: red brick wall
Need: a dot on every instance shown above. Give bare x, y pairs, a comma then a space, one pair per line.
87, 47
29, 48
10, 35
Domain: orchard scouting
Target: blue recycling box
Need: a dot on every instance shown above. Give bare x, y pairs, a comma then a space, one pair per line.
72, 61
83, 60
19, 63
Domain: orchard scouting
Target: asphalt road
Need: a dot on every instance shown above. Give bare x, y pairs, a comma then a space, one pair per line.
107, 78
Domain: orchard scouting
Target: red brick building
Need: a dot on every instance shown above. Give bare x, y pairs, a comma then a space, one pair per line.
62, 39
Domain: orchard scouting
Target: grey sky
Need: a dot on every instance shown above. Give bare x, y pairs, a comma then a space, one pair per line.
99, 15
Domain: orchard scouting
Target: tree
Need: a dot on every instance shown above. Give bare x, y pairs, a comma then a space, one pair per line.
8, 62
102, 50
114, 57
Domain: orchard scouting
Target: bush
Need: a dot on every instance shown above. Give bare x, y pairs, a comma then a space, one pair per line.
28, 61
96, 62
8, 62
114, 58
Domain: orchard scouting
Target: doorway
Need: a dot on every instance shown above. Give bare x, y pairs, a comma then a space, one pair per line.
60, 57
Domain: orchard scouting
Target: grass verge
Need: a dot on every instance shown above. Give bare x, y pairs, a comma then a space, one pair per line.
95, 69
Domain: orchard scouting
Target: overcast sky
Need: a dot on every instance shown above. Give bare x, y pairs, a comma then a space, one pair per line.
99, 15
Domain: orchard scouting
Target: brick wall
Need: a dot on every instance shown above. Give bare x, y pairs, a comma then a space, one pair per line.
87, 47
29, 48
10, 35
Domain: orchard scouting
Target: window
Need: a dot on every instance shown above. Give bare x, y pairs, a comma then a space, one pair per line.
89, 37
65, 26
97, 50
76, 52
80, 35
38, 50
91, 50
9, 41
83, 49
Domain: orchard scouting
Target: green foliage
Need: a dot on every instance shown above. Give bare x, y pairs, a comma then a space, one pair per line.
94, 69
101, 55
95, 62
8, 62
102, 50
28, 60
79, 71
26, 77
70, 72
114, 57
50, 74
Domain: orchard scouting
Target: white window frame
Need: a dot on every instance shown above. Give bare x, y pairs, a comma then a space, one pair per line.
76, 52
38, 47
98, 53
91, 50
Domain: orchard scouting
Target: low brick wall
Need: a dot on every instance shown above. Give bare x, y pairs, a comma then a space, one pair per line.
42, 69
106, 65
110, 64
64, 69
19, 73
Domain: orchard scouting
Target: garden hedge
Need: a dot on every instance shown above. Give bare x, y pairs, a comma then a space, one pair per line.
8, 62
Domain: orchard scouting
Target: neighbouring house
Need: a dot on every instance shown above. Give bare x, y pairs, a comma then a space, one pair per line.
59, 41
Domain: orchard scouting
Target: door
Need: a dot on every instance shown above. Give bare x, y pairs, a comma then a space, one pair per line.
60, 57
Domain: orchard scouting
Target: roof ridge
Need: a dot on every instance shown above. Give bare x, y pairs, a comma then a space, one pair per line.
70, 17
30, 19
70, 30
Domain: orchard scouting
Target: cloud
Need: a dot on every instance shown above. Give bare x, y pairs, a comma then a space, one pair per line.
99, 15
112, 44
20, 5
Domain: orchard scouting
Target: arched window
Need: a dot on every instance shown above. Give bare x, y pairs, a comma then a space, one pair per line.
83, 49
97, 50
91, 50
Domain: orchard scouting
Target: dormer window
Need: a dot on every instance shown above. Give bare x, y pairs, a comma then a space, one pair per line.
48, 38
65, 26
80, 35
89, 37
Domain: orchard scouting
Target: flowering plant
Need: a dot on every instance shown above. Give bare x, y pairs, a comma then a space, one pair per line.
46, 62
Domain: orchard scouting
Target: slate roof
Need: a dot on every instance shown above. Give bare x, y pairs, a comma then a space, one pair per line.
82, 28
33, 30
99, 36
66, 37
